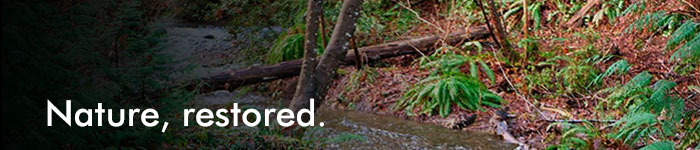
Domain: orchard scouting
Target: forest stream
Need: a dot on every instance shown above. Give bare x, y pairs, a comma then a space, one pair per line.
209, 49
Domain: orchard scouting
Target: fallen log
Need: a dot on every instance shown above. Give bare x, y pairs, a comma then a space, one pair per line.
257, 74
576, 21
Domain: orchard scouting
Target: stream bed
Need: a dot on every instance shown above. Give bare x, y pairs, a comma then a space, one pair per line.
210, 49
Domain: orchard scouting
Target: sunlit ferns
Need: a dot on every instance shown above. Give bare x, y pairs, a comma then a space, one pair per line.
688, 33
651, 111
447, 86
620, 67
574, 136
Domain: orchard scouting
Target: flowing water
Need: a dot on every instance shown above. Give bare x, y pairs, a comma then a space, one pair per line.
210, 49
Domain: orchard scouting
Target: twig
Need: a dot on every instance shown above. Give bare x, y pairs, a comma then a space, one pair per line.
516, 90
358, 61
582, 121
691, 6
488, 23
420, 18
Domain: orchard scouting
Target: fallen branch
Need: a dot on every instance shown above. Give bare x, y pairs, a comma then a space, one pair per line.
575, 20
257, 74
582, 121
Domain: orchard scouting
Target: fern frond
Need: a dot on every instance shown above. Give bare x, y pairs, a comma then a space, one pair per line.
635, 126
689, 51
447, 86
660, 145
620, 67
488, 71
572, 136
286, 47
629, 92
440, 92
685, 32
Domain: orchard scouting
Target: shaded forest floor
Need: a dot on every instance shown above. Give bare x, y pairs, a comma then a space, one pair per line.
377, 89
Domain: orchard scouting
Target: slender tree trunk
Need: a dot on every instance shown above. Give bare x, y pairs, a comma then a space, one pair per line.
488, 23
306, 77
502, 34
330, 60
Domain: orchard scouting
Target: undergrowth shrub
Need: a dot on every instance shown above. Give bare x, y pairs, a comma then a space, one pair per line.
620, 67
575, 74
574, 136
652, 114
688, 52
286, 47
447, 86
626, 95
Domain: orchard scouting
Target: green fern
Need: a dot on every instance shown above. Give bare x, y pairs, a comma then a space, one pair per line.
650, 105
635, 126
447, 86
685, 32
576, 74
620, 67
692, 134
628, 95
287, 47
442, 91
655, 21
635, 7
690, 51
450, 62
366, 74
661, 145
574, 136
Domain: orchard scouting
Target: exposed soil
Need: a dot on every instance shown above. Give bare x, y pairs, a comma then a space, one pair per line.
643, 50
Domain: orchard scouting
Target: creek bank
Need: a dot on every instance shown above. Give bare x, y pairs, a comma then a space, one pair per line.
207, 49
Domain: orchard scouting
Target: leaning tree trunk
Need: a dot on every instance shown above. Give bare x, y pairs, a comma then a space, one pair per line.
331, 59
306, 77
496, 16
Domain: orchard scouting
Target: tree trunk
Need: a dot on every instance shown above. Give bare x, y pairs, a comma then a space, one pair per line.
332, 57
502, 34
310, 47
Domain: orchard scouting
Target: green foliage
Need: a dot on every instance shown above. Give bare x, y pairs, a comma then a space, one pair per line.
655, 21
366, 74
287, 47
652, 112
541, 82
690, 51
625, 95
635, 7
692, 134
574, 136
685, 32
575, 74
450, 62
636, 126
442, 91
382, 20
534, 8
620, 67
660, 145
610, 9
447, 86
